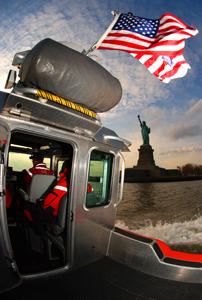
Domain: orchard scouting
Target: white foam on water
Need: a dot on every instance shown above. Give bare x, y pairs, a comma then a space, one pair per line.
177, 233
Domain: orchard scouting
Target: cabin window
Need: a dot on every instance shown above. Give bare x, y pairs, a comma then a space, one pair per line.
61, 161
99, 178
21, 161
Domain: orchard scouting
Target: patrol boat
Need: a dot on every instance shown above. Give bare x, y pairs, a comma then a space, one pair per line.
53, 108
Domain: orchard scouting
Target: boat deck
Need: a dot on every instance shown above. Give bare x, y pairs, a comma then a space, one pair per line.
105, 279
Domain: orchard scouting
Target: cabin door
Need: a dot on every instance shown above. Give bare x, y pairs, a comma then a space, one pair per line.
10, 277
95, 216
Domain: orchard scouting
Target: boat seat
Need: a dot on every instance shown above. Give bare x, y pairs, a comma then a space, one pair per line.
39, 184
61, 217
37, 187
54, 232
52, 235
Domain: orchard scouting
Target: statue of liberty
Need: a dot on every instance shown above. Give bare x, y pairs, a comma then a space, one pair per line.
145, 132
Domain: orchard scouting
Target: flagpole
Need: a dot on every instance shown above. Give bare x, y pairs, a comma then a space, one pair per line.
96, 45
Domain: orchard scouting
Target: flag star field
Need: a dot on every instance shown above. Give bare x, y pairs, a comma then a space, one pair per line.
139, 25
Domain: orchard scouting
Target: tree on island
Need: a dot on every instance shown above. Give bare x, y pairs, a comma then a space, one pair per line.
191, 170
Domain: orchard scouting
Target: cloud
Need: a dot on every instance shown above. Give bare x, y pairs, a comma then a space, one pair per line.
194, 111
140, 88
35, 21
156, 112
188, 123
185, 123
178, 151
183, 131
112, 114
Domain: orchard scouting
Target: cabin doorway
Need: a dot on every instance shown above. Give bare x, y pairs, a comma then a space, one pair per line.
36, 252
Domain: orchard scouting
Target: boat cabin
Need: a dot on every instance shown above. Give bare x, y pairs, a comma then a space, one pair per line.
29, 124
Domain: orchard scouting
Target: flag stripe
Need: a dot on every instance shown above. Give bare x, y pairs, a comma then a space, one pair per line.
165, 53
180, 35
176, 69
163, 50
126, 43
137, 41
126, 33
132, 42
161, 70
167, 16
133, 38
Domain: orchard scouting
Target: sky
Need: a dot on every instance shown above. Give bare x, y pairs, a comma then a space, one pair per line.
173, 111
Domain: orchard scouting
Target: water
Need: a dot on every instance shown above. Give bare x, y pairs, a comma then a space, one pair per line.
168, 211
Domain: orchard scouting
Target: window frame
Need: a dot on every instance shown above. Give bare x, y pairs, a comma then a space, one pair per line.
110, 182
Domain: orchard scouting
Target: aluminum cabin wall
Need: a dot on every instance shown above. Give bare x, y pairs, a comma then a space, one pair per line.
90, 229
141, 256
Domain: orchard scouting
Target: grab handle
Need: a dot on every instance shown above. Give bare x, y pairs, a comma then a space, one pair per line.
122, 180
117, 138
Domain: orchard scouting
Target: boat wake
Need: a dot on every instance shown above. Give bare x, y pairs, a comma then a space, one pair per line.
181, 236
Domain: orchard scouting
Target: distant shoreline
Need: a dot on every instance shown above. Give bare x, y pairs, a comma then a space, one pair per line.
161, 179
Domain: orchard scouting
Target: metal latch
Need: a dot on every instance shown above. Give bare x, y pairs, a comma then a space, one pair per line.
3, 193
71, 216
19, 113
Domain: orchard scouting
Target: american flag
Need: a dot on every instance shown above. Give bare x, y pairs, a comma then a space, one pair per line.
157, 44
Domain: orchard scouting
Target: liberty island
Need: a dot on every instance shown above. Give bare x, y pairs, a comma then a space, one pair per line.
146, 169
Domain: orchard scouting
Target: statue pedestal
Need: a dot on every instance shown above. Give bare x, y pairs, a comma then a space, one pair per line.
146, 170
146, 159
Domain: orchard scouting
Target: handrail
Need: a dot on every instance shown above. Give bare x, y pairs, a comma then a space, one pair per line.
49, 96
117, 138
5, 242
24, 90
122, 180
